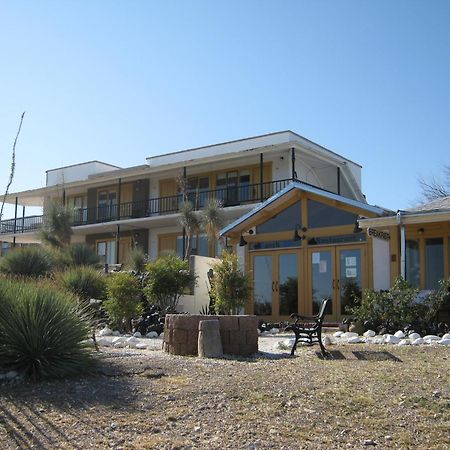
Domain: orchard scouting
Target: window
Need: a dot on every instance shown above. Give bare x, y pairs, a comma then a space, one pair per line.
286, 220
412, 256
198, 188
199, 245
107, 204
434, 260
321, 215
233, 187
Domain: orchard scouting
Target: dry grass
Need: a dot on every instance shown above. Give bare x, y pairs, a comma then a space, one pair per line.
146, 400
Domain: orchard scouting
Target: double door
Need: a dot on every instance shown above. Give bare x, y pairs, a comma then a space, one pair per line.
335, 273
297, 280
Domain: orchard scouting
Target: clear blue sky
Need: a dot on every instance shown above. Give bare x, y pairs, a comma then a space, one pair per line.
121, 80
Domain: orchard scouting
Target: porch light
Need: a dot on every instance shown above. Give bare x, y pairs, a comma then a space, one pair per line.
357, 228
296, 237
242, 242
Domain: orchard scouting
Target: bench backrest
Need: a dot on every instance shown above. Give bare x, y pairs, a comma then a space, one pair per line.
322, 309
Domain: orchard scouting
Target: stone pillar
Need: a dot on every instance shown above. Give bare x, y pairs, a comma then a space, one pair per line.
209, 342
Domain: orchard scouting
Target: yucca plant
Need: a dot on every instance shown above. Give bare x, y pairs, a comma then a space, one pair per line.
57, 227
136, 260
80, 254
84, 282
42, 331
28, 262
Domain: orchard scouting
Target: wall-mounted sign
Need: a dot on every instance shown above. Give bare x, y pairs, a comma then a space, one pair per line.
378, 234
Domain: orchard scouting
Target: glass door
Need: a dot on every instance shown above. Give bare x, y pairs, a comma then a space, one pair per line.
323, 282
276, 285
350, 279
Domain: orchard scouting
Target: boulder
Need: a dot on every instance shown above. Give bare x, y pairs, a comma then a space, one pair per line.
152, 334
274, 330
326, 340
142, 345
391, 339
405, 342
446, 336
418, 341
431, 338
399, 334
369, 333
444, 341
137, 334
354, 340
338, 334
115, 333
414, 336
105, 332
348, 335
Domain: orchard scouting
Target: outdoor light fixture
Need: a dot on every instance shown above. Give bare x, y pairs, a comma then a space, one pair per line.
421, 231
242, 242
357, 228
296, 237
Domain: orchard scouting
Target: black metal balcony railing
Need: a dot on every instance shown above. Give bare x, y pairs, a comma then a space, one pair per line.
228, 196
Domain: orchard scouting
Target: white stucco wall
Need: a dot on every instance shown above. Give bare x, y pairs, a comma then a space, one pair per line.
381, 264
77, 172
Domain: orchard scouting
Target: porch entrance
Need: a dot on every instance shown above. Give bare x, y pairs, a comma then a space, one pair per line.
335, 273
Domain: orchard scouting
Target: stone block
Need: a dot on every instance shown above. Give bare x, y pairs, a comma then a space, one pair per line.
192, 337
236, 337
248, 349
209, 341
248, 322
251, 337
179, 336
225, 336
229, 323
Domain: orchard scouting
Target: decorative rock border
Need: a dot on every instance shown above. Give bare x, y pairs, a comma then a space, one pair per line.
239, 334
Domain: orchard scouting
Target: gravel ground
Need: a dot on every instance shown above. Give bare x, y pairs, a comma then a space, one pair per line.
367, 396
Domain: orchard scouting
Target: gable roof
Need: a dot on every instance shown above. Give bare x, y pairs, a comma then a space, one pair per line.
298, 185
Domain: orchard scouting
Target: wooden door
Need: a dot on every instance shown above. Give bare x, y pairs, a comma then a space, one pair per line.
124, 249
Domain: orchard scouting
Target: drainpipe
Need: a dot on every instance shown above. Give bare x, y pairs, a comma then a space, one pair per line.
402, 245
117, 243
261, 175
339, 181
119, 199
294, 173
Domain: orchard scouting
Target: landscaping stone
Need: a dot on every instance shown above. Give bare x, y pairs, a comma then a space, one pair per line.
152, 334
141, 346
326, 340
405, 342
431, 338
115, 333
274, 331
369, 333
391, 339
137, 334
399, 334
105, 332
444, 342
348, 335
414, 336
338, 334
446, 336
354, 340
209, 341
418, 341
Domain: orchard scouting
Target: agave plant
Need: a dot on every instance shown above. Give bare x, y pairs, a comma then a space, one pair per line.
28, 262
42, 332
80, 254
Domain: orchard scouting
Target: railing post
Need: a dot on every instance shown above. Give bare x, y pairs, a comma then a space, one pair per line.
339, 181
294, 173
15, 216
184, 200
117, 243
119, 200
23, 218
261, 175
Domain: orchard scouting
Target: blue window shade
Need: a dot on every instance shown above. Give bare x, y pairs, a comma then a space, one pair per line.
434, 260
286, 220
321, 215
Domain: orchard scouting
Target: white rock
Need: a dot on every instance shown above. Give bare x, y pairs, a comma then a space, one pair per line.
326, 340
105, 332
348, 335
118, 339
378, 340
152, 334
338, 334
399, 334
137, 334
131, 340
391, 339
369, 333
264, 333
142, 345
89, 342
102, 342
418, 341
354, 340
120, 344
405, 342
430, 338
11, 374
286, 344
274, 330
259, 331
444, 341
446, 336
115, 333
414, 336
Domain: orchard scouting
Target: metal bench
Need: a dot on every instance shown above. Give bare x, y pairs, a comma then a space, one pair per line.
308, 329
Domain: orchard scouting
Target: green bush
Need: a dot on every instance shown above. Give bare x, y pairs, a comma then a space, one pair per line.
41, 331
28, 262
80, 254
124, 293
84, 282
230, 287
168, 278
437, 305
396, 307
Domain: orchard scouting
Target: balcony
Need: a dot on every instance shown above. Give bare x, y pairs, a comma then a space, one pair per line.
228, 196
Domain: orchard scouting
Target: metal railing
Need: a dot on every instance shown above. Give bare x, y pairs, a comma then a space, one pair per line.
228, 196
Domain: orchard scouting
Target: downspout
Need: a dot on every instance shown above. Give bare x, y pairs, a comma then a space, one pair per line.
402, 245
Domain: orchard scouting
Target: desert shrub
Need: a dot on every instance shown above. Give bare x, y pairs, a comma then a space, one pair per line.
84, 282
136, 260
393, 308
230, 288
28, 262
41, 331
437, 305
168, 277
124, 293
79, 254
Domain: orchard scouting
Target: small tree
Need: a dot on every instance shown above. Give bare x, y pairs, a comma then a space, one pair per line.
212, 220
57, 228
229, 286
190, 221
123, 302
167, 279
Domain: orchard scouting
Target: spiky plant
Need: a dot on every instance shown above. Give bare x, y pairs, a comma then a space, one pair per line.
212, 220
42, 332
190, 221
80, 254
84, 282
28, 262
136, 260
57, 227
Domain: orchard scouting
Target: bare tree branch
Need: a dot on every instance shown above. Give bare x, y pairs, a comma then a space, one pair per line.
436, 187
13, 166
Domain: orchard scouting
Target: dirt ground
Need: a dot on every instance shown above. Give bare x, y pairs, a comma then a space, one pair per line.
366, 397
